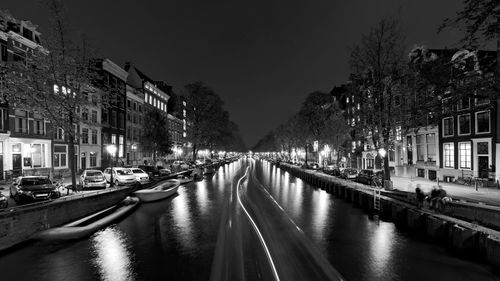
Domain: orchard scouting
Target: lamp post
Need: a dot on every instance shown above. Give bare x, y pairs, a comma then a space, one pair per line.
111, 150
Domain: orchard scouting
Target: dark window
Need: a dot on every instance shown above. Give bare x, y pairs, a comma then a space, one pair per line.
104, 117
482, 148
421, 173
27, 33
448, 127
85, 136
464, 103
121, 120
464, 124
483, 122
94, 136
94, 116
112, 122
85, 114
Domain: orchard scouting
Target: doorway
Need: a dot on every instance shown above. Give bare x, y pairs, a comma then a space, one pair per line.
483, 166
17, 163
83, 161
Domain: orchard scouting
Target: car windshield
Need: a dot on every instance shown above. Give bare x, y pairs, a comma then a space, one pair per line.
35, 181
93, 173
124, 172
138, 171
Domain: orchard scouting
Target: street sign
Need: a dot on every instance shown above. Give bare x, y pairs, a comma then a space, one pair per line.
315, 146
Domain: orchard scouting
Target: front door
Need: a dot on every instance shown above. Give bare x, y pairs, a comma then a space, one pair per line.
17, 163
84, 162
482, 165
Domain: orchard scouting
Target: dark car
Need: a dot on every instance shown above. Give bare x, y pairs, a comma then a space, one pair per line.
332, 172
33, 188
4, 202
369, 177
349, 173
152, 171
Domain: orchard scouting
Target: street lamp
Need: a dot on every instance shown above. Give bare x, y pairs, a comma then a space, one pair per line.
111, 150
382, 153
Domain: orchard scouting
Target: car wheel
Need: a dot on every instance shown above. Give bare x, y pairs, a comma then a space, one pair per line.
116, 183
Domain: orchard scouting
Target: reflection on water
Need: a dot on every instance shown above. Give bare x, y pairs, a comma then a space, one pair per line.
359, 247
381, 248
112, 258
183, 224
202, 196
320, 213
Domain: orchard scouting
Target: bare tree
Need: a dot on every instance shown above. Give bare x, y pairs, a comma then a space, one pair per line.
378, 62
156, 138
53, 80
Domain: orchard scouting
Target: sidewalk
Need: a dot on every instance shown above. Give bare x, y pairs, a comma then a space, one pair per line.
487, 195
4, 189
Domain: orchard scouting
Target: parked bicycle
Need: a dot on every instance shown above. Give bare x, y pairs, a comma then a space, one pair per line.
465, 181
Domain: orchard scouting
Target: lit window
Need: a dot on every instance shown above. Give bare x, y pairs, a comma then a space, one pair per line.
465, 155
449, 155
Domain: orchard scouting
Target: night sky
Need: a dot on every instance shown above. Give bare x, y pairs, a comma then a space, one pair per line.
261, 56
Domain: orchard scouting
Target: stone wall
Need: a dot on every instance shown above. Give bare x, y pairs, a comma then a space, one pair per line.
471, 238
18, 225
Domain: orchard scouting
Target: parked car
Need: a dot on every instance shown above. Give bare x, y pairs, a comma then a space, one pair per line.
369, 177
179, 166
4, 201
92, 179
332, 171
152, 171
121, 176
311, 165
33, 188
349, 173
141, 176
163, 171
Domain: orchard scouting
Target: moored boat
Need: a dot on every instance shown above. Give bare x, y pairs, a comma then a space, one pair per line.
89, 224
184, 180
209, 170
159, 192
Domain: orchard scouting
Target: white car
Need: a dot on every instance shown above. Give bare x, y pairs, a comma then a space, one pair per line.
92, 179
120, 176
141, 176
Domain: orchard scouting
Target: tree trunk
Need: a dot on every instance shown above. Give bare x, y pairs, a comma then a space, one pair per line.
306, 155
71, 151
387, 171
194, 152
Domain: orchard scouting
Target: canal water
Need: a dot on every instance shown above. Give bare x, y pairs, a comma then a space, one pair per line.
174, 239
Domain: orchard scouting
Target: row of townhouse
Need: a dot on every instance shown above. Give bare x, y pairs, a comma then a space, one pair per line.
464, 142
30, 145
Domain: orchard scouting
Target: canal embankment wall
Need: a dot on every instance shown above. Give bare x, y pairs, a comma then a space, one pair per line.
19, 224
467, 228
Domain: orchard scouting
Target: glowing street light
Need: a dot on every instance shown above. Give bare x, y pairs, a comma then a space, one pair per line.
382, 152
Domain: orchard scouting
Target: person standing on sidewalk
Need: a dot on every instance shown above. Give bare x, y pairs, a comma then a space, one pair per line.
419, 196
